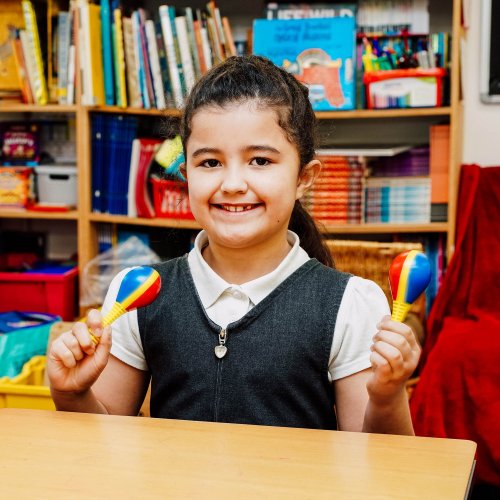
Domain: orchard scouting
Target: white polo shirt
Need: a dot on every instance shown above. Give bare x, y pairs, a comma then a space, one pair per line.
362, 307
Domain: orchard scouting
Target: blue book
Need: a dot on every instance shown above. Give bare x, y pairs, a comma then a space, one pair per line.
107, 53
319, 52
98, 138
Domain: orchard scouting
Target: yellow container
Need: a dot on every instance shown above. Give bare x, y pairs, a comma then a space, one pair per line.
27, 390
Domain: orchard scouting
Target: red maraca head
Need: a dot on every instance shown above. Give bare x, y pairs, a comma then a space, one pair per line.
139, 287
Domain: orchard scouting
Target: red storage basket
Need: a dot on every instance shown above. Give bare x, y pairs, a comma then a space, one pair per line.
40, 292
170, 199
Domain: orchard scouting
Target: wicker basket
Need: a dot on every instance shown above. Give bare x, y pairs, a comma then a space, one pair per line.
371, 260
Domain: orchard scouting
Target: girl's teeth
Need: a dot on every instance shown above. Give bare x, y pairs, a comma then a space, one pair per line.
231, 208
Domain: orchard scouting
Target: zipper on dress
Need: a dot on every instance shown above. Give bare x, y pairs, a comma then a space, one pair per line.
220, 352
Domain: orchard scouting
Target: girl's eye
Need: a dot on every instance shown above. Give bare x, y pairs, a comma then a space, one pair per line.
260, 161
210, 163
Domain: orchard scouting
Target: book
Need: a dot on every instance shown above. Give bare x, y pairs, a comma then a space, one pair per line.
22, 70
119, 59
63, 47
107, 52
139, 201
185, 52
275, 10
439, 161
39, 91
133, 90
154, 60
143, 194
173, 69
318, 52
11, 18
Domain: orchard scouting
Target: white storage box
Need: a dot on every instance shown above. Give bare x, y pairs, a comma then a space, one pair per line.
56, 184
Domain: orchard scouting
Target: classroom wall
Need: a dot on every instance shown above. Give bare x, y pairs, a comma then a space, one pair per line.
481, 135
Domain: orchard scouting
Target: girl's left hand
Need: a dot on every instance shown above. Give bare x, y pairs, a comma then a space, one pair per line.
394, 357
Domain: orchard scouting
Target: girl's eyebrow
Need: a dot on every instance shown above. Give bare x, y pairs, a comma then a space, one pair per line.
261, 147
203, 151
253, 147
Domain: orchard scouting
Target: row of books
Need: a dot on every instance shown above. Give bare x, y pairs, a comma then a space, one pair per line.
337, 194
400, 184
137, 61
372, 16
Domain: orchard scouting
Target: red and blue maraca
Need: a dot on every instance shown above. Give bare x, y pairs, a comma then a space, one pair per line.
409, 276
139, 287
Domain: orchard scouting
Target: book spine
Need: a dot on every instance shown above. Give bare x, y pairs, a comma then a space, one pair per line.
168, 39
134, 94
107, 54
192, 42
141, 75
155, 64
40, 93
185, 52
63, 45
119, 54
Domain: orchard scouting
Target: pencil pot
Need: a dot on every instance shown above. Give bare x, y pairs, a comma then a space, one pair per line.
404, 88
170, 199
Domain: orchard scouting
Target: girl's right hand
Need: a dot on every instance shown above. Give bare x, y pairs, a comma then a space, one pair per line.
74, 362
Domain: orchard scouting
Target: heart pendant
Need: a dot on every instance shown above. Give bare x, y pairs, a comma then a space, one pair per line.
220, 351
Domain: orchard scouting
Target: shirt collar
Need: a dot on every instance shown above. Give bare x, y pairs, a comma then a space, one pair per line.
211, 286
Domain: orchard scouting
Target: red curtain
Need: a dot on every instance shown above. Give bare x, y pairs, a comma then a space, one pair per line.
458, 395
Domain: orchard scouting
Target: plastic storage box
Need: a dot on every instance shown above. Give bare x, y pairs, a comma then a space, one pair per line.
27, 389
56, 184
404, 88
41, 292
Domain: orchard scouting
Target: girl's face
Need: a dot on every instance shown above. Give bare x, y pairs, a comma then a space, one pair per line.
243, 175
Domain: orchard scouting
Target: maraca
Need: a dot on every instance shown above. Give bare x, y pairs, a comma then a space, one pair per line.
409, 275
139, 287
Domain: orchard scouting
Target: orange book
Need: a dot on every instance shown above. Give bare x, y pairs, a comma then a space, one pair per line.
199, 46
439, 162
22, 72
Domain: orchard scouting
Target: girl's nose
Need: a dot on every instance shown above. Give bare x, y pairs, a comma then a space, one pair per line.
234, 180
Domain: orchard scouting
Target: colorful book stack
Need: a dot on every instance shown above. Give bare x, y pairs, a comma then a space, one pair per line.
398, 200
142, 62
337, 195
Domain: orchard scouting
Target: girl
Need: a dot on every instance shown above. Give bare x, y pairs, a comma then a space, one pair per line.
254, 325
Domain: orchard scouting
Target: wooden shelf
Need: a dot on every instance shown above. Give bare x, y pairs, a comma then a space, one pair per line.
383, 113
138, 221
37, 108
433, 227
29, 214
134, 111
321, 115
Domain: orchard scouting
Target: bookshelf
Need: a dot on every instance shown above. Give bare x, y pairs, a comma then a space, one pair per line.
87, 222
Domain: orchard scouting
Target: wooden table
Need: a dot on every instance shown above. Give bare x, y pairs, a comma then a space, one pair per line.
46, 454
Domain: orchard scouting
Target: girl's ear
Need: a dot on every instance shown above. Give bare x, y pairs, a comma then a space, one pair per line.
307, 176
183, 169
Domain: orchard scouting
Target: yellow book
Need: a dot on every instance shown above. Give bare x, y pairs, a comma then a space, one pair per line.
120, 63
40, 94
12, 15
95, 47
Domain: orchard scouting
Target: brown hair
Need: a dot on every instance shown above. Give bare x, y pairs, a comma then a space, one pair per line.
242, 78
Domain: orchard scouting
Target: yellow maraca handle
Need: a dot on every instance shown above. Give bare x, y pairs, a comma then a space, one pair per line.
400, 310
116, 311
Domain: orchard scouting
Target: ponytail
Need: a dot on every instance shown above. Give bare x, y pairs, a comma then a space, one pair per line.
311, 240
